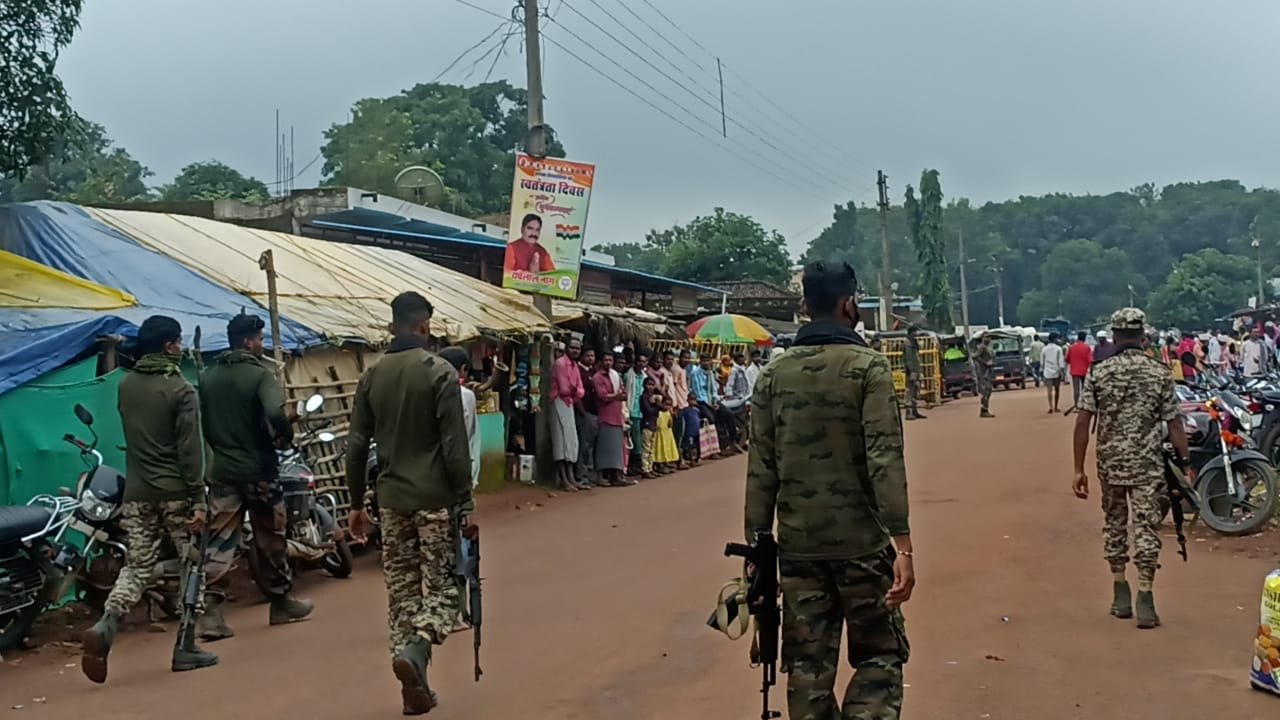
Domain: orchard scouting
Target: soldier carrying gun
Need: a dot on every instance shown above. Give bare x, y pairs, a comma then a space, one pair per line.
843, 547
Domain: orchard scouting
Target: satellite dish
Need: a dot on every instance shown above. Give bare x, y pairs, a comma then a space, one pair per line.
420, 183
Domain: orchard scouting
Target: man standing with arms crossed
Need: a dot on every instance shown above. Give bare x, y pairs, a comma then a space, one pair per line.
244, 423
1132, 397
165, 494
827, 459
409, 404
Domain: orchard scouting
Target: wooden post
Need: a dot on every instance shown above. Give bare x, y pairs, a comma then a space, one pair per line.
266, 263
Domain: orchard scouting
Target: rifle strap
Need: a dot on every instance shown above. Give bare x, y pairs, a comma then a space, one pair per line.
733, 592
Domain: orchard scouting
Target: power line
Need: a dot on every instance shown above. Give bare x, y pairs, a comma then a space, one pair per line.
466, 52
299, 173
655, 51
501, 47
819, 171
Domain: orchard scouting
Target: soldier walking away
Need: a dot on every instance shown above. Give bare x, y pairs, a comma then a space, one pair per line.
244, 423
408, 403
826, 458
984, 371
165, 495
1131, 395
911, 362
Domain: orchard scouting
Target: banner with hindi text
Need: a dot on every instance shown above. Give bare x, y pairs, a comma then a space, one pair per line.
549, 200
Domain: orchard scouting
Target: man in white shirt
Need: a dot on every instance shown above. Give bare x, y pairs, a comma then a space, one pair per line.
753, 371
1053, 366
458, 358
1253, 354
1215, 353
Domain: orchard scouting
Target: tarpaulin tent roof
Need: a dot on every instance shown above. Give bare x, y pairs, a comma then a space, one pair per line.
28, 284
64, 237
340, 290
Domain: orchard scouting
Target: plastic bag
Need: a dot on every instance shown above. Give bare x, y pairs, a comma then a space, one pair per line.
1266, 655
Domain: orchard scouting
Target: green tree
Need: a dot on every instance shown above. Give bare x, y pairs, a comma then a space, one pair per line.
842, 240
88, 171
644, 256
35, 114
1082, 280
1203, 287
924, 217
213, 180
469, 135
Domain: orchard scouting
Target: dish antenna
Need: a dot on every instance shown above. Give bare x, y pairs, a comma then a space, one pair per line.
421, 183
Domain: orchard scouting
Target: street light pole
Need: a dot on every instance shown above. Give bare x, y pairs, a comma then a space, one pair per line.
964, 291
996, 270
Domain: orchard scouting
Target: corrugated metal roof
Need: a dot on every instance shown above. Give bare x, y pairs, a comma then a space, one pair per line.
338, 289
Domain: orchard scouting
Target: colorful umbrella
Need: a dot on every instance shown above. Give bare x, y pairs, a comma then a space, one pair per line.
729, 329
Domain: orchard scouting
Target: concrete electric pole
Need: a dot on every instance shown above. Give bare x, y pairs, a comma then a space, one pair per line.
964, 292
886, 276
536, 139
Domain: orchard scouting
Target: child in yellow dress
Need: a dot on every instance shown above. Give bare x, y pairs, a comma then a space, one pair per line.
666, 453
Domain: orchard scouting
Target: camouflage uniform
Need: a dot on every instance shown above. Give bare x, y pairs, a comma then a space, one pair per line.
264, 501
147, 524
826, 457
1132, 397
983, 373
911, 363
417, 561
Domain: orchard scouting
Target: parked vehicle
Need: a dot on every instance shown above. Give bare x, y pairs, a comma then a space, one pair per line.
313, 535
1011, 361
1235, 486
957, 370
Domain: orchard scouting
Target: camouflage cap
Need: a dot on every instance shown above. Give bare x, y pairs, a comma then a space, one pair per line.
1129, 318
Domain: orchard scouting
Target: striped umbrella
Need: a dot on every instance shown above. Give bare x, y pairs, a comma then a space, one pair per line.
729, 329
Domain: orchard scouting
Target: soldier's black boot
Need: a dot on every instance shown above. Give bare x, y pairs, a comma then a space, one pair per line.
1122, 605
97, 646
188, 656
410, 667
286, 609
1147, 617
211, 626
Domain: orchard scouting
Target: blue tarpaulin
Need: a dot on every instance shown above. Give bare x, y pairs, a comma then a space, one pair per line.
65, 237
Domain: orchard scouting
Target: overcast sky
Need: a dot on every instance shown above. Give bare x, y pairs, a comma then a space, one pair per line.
1003, 97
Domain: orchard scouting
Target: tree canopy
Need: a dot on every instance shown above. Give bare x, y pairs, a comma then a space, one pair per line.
1136, 237
1206, 284
468, 135
213, 180
718, 247
35, 115
91, 169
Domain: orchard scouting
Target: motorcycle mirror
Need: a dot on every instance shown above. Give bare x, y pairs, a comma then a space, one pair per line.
326, 437
83, 414
314, 403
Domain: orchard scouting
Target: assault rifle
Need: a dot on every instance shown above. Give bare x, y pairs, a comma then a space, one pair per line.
1179, 490
466, 570
192, 580
760, 561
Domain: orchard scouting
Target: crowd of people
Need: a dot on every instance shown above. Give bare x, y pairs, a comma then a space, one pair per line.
626, 414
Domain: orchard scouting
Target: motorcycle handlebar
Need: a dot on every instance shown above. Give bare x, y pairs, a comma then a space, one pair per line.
77, 442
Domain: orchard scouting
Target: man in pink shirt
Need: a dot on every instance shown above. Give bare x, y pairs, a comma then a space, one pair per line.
610, 443
566, 391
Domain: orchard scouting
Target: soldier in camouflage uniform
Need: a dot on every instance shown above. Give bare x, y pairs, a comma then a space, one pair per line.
1132, 397
164, 498
410, 404
826, 458
911, 363
984, 371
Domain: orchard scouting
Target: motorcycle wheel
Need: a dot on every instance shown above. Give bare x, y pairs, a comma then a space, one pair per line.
1231, 516
15, 626
338, 562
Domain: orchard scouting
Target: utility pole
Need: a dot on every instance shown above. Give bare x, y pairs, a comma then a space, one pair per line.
724, 126
886, 275
996, 269
1256, 243
535, 142
964, 291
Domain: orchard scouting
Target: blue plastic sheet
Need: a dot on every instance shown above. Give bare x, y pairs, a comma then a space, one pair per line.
65, 237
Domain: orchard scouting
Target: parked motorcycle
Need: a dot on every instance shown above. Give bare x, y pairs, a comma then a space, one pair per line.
313, 535
1235, 486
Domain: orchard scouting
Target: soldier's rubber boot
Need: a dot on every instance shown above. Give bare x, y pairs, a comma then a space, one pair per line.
189, 656
211, 626
985, 414
1122, 605
410, 667
286, 609
1147, 617
97, 642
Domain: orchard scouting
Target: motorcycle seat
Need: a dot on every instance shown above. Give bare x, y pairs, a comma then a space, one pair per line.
18, 521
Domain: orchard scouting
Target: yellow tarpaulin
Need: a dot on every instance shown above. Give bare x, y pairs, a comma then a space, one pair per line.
28, 284
338, 289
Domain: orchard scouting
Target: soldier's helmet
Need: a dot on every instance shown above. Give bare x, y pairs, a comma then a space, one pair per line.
1129, 318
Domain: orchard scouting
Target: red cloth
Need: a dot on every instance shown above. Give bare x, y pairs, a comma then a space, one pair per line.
527, 257
609, 411
1079, 358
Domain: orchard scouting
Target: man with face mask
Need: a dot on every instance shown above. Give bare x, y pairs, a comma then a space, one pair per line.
826, 462
244, 423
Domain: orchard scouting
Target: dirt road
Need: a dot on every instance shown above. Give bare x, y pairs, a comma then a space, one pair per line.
595, 607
